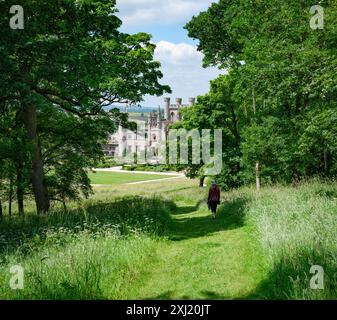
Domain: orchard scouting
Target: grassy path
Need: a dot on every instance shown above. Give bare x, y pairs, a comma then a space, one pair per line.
204, 259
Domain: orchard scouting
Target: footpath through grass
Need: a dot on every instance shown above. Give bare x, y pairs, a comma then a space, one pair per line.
204, 259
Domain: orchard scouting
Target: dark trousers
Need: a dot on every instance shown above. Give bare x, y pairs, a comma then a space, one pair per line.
213, 206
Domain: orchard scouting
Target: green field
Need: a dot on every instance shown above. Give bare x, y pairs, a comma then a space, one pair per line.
109, 178
117, 246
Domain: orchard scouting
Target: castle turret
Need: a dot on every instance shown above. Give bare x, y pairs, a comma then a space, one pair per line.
179, 102
191, 101
167, 108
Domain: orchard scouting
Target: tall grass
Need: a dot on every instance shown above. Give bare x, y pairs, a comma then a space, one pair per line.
94, 252
297, 229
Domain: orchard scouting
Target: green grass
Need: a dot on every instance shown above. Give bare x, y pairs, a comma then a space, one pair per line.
297, 229
143, 247
93, 252
110, 178
204, 259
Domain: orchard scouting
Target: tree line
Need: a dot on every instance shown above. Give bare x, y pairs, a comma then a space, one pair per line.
276, 102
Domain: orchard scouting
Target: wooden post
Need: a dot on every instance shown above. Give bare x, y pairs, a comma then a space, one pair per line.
258, 175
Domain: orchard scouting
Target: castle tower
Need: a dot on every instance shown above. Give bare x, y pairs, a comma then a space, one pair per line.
167, 108
191, 101
179, 104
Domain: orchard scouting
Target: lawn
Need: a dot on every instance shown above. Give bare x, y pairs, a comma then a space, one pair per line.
110, 178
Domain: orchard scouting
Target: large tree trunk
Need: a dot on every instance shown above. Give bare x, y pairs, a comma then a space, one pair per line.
258, 175
20, 188
1, 212
201, 181
37, 174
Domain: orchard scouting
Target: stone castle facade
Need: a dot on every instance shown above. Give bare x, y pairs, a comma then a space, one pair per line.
151, 134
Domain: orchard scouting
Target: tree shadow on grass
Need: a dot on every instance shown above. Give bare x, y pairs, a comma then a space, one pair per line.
186, 209
231, 215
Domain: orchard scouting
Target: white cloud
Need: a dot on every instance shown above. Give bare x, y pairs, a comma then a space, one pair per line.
181, 63
182, 53
183, 71
141, 12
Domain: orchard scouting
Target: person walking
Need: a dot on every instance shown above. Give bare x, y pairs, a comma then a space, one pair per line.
213, 198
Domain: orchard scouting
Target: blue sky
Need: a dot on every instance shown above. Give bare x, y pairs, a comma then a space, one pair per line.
181, 62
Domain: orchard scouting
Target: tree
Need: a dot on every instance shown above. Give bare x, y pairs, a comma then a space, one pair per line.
72, 57
318, 141
285, 71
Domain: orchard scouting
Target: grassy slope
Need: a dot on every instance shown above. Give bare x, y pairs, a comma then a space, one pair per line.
200, 258
110, 178
261, 246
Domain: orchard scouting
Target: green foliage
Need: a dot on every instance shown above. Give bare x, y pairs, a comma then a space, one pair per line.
281, 88
107, 162
217, 110
318, 141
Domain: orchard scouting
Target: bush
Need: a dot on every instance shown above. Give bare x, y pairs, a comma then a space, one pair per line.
107, 163
147, 167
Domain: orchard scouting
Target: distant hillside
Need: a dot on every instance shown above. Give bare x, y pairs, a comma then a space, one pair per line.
139, 109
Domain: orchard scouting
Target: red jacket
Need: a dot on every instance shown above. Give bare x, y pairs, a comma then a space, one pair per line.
214, 194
